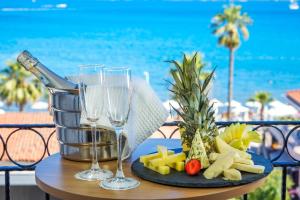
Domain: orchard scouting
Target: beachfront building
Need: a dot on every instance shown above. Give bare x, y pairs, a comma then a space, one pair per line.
294, 97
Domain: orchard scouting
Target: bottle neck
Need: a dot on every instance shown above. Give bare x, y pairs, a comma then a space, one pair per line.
48, 77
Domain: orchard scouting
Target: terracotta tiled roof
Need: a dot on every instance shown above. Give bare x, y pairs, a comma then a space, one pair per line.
25, 145
294, 96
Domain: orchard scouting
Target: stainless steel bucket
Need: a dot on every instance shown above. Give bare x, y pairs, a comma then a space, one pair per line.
75, 140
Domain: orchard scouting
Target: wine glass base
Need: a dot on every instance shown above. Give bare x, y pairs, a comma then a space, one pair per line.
119, 183
94, 175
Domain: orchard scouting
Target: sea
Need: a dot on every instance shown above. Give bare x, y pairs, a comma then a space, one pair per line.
145, 34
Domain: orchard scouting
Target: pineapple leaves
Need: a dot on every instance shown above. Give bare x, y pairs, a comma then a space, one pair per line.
190, 88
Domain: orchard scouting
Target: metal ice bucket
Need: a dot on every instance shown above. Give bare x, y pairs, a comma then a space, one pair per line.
75, 140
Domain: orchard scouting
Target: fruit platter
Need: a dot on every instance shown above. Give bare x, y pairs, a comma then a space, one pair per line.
209, 157
228, 166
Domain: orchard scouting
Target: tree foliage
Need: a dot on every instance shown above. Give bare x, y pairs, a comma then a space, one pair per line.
229, 25
263, 98
18, 86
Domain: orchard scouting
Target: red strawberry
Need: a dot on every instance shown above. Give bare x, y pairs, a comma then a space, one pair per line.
193, 167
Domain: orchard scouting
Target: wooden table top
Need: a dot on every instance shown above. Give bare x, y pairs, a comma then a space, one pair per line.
55, 176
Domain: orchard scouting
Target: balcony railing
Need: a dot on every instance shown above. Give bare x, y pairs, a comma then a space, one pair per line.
284, 156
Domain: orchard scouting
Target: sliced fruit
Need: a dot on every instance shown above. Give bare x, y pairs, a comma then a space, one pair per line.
239, 136
160, 169
178, 166
244, 161
147, 158
193, 167
168, 160
234, 131
163, 151
223, 147
232, 174
253, 136
198, 151
257, 169
213, 156
238, 144
222, 163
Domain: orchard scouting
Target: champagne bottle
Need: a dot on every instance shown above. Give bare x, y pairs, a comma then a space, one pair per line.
48, 77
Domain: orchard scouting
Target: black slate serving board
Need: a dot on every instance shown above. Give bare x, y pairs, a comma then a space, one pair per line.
181, 179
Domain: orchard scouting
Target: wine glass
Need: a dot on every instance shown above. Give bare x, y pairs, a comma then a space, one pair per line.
117, 82
91, 95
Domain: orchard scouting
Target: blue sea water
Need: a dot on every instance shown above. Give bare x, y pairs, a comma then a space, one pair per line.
144, 34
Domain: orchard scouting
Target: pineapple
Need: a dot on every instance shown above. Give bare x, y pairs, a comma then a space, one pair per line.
190, 89
239, 136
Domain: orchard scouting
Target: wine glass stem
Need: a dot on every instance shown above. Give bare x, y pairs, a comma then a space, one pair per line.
95, 164
119, 131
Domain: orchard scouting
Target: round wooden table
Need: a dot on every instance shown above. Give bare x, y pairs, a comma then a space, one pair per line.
55, 176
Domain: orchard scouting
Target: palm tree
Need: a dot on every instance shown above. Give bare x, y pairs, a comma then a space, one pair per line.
228, 26
18, 86
263, 98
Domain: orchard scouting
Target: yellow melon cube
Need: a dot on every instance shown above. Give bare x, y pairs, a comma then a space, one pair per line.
178, 166
168, 160
160, 169
147, 158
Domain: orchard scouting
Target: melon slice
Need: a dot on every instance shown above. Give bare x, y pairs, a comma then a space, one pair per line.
223, 147
256, 169
232, 175
244, 161
213, 156
222, 163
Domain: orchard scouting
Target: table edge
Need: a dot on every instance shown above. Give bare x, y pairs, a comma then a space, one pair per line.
61, 194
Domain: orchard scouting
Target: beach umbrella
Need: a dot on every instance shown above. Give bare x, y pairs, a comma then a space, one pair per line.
277, 104
170, 104
240, 109
216, 102
39, 105
233, 103
253, 104
279, 109
2, 111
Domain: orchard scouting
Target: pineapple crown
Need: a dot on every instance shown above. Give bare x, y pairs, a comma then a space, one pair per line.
190, 89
